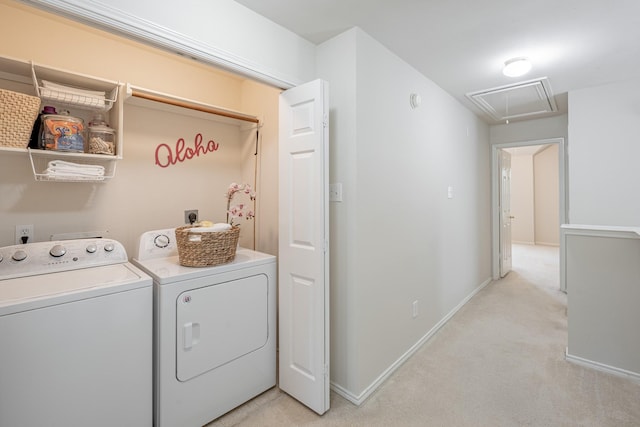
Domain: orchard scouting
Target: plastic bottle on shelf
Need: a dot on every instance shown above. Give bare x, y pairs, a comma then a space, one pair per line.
101, 138
34, 140
62, 132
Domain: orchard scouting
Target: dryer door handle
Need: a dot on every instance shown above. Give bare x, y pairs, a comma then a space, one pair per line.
191, 334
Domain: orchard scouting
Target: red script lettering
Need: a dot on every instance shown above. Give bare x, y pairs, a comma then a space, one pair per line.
166, 157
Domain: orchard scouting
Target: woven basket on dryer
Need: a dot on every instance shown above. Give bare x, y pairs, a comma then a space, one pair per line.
18, 113
206, 249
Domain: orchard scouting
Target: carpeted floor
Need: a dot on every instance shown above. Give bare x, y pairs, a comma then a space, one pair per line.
498, 362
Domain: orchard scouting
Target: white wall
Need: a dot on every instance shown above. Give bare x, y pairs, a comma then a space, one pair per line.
530, 130
604, 176
546, 196
522, 205
263, 100
402, 239
604, 182
337, 64
603, 276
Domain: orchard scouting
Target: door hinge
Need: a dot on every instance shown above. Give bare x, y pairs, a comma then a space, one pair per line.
325, 121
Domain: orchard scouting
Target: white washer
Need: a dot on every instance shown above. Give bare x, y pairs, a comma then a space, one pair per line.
215, 331
76, 328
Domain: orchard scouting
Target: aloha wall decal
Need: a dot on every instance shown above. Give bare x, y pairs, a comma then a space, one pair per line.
167, 156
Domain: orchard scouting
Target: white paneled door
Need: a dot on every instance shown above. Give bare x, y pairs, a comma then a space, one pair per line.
303, 253
505, 212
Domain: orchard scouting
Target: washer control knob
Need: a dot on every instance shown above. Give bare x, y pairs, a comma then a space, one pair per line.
19, 255
58, 251
109, 247
92, 248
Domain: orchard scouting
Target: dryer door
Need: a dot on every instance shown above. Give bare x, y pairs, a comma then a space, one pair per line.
220, 323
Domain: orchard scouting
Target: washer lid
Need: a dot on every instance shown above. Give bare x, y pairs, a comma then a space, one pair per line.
28, 293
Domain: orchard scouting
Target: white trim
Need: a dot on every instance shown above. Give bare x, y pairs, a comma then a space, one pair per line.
518, 242
614, 231
359, 399
495, 214
555, 245
540, 85
111, 19
601, 366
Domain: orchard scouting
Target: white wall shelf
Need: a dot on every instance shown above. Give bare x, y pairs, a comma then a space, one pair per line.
82, 96
40, 162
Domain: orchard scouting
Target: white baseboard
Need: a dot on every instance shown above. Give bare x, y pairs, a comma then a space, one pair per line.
548, 244
359, 399
601, 366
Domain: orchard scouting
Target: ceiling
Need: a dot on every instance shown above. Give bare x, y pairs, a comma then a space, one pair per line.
462, 45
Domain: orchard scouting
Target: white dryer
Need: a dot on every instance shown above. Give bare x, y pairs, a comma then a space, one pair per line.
214, 331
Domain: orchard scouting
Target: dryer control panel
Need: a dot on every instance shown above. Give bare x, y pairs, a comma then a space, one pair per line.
50, 257
157, 244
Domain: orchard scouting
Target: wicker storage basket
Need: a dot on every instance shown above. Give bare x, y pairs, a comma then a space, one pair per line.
206, 249
18, 112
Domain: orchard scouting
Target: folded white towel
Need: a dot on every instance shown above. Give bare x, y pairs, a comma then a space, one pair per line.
195, 233
221, 226
70, 169
70, 165
78, 171
72, 98
85, 92
72, 172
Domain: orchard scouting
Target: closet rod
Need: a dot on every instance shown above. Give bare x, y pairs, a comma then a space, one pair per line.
210, 110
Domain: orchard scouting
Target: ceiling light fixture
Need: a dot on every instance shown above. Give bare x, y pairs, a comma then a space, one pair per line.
516, 67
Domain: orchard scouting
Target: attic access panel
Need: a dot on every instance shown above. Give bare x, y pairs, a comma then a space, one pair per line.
516, 100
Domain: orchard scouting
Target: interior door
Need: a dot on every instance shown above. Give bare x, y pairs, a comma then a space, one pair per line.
303, 253
505, 212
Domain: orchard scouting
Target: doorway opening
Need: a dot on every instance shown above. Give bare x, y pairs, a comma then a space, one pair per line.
528, 222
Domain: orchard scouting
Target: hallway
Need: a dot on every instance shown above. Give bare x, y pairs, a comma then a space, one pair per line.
498, 362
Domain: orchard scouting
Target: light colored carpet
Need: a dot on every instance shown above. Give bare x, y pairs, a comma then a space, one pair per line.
498, 362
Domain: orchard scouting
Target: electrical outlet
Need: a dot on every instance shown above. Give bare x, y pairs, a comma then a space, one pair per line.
190, 216
24, 234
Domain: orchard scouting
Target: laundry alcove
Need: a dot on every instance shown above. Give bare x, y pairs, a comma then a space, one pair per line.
183, 155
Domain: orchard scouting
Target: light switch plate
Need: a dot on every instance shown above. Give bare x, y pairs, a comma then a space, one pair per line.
335, 192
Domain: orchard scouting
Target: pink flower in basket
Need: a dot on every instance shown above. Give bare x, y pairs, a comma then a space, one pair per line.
240, 210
